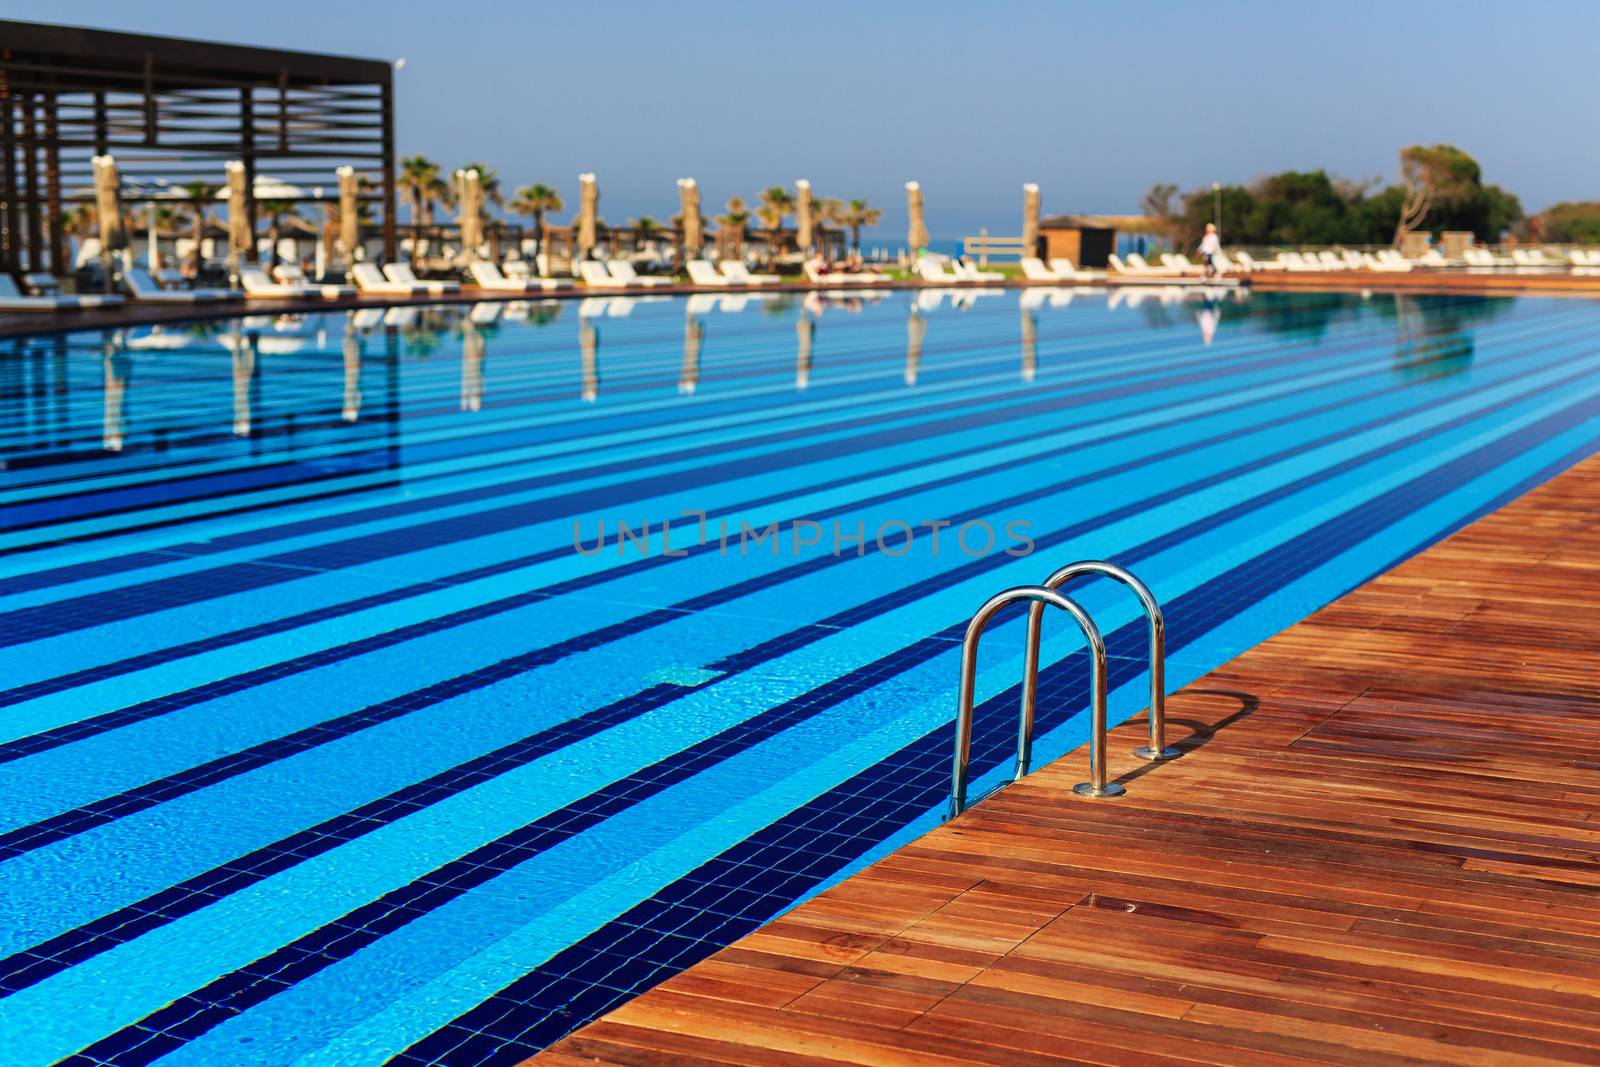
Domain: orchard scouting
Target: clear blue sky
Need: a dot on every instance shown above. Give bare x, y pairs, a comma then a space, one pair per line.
1096, 102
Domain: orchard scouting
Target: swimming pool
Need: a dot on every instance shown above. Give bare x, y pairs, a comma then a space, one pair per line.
328, 733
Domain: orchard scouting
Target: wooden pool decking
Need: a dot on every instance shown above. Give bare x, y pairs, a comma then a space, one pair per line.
1379, 847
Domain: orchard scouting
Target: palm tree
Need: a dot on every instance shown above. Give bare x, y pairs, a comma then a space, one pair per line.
855, 215
276, 211
825, 211
421, 185
735, 221
533, 201
644, 229
776, 203
201, 195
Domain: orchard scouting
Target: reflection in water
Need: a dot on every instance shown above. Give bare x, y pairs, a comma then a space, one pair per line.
473, 345
351, 410
589, 346
1209, 316
916, 329
694, 335
806, 333
1030, 344
117, 371
244, 372
1429, 346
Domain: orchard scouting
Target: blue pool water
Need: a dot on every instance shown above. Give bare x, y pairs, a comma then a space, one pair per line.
321, 740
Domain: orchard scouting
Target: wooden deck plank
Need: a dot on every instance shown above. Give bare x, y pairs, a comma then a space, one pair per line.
1379, 846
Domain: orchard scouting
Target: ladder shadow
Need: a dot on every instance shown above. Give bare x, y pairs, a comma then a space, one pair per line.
1200, 732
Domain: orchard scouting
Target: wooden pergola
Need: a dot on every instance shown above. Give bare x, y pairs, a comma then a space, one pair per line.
173, 111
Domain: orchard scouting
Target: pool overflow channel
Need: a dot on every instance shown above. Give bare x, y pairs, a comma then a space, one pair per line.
1039, 598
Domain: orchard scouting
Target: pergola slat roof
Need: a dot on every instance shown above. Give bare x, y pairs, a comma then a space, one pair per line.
173, 110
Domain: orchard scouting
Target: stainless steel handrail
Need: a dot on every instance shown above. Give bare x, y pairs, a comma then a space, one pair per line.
1157, 749
1097, 786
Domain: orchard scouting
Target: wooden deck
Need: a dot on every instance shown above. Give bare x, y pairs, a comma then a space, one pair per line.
1506, 283
1380, 848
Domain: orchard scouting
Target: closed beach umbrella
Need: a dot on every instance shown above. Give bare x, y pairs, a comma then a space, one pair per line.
588, 213
108, 205
1030, 218
802, 215
108, 211
469, 190
349, 213
239, 235
694, 234
917, 233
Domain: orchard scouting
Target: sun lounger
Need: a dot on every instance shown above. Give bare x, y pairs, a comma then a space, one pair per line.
595, 275
1432, 258
1135, 265
701, 272
622, 270
1066, 270
401, 273
257, 284
930, 271
735, 271
369, 279
1180, 263
968, 273
291, 274
1250, 263
12, 299
843, 279
1331, 261
41, 283
486, 275
1034, 270
143, 289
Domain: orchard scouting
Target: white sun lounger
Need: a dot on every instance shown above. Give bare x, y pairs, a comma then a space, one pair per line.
291, 274
1066, 270
257, 284
369, 279
401, 272
486, 275
622, 270
973, 274
1034, 270
735, 271
143, 288
12, 299
701, 272
844, 279
930, 271
595, 275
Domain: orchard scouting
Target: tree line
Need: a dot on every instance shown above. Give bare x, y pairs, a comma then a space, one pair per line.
1441, 188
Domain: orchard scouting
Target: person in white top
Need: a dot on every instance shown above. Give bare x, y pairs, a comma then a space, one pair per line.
1210, 248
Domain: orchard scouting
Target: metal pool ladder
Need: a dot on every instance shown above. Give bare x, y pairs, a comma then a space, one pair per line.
1041, 597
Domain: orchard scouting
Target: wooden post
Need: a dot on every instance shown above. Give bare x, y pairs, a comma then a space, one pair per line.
10, 210
52, 180
30, 163
388, 166
247, 138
